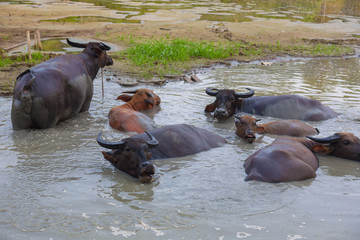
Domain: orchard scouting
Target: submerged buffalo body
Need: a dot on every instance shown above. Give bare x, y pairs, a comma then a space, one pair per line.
229, 102
132, 155
247, 127
293, 159
287, 107
57, 89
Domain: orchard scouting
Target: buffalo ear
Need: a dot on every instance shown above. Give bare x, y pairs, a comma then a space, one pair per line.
260, 130
97, 51
124, 97
210, 107
322, 149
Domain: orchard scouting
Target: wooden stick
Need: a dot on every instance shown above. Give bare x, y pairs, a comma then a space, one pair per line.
102, 82
28, 43
38, 38
35, 41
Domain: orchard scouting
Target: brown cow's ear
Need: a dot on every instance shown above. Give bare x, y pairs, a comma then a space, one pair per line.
322, 149
260, 130
210, 107
124, 97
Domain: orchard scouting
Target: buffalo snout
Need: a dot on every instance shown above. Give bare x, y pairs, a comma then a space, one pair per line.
109, 61
146, 171
221, 114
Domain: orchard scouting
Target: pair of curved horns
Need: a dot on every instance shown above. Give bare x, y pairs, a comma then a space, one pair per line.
333, 138
153, 142
103, 46
214, 91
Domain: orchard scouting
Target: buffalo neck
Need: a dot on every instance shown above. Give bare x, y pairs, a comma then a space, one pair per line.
308, 143
133, 106
92, 64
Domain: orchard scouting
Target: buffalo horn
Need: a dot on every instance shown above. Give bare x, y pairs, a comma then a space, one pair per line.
152, 142
105, 47
74, 44
211, 91
333, 138
109, 145
245, 95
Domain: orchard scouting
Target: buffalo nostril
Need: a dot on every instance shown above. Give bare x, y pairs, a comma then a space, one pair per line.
220, 112
144, 165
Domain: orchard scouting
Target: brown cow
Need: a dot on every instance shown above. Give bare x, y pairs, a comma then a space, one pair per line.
247, 127
127, 117
293, 159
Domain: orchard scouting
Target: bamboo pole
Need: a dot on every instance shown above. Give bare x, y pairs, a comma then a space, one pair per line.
102, 83
28, 43
38, 38
35, 41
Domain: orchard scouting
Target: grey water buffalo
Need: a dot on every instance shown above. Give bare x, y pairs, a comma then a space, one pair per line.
128, 117
59, 88
293, 159
247, 127
229, 102
132, 154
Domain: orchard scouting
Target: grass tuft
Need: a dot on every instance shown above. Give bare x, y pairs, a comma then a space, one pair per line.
167, 57
36, 57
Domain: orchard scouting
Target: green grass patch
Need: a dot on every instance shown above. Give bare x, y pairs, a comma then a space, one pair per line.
36, 57
167, 57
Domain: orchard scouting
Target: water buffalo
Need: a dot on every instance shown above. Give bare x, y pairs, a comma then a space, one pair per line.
297, 107
127, 117
132, 154
293, 159
247, 127
59, 88
343, 145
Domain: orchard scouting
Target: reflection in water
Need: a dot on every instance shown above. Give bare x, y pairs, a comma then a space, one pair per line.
56, 183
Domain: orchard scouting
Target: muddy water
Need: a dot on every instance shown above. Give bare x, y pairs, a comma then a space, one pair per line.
315, 11
55, 184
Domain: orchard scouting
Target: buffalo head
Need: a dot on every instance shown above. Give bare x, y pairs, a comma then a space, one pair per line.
142, 99
132, 156
96, 50
343, 145
246, 127
226, 102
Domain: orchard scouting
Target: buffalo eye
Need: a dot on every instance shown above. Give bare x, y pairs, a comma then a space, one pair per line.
127, 149
346, 142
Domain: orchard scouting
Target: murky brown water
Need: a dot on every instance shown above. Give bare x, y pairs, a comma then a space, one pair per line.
55, 184
313, 11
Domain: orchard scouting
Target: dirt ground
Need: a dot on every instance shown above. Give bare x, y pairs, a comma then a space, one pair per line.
16, 19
